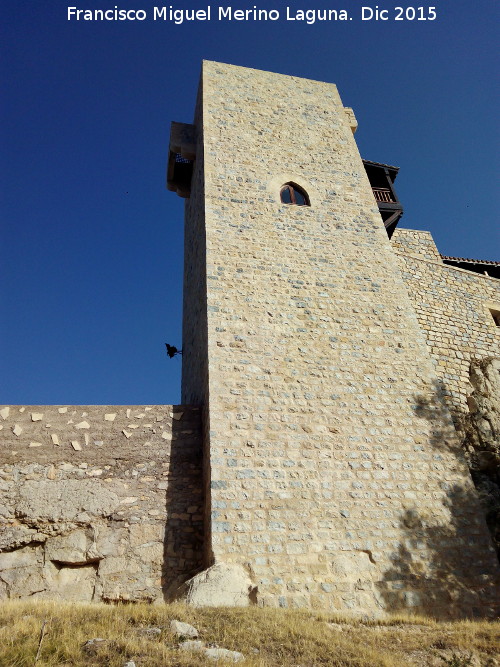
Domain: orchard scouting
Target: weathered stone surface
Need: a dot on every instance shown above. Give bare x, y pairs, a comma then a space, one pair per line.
224, 654
222, 585
26, 584
21, 571
192, 645
124, 579
69, 583
65, 500
76, 548
181, 629
25, 573
117, 565
353, 566
144, 534
25, 557
112, 540
152, 553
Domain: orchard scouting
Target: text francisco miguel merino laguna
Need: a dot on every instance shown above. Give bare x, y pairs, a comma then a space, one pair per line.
219, 13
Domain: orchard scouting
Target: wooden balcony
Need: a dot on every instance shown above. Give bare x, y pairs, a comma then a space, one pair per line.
383, 195
382, 177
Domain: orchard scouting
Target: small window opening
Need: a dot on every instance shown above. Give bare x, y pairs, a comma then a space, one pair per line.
495, 314
293, 194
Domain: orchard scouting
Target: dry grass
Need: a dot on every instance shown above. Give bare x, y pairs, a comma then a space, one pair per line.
265, 636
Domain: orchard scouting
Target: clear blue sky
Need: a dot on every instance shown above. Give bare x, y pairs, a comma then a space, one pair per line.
91, 241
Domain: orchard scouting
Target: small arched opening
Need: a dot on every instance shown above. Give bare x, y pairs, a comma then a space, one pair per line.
291, 193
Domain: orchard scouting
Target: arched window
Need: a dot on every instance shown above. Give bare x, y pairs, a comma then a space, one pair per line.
291, 193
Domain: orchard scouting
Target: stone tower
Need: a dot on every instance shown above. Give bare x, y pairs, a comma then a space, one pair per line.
332, 471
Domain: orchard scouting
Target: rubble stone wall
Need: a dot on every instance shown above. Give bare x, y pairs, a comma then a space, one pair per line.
99, 502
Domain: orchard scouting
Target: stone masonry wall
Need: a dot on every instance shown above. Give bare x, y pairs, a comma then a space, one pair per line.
336, 477
416, 243
452, 307
99, 502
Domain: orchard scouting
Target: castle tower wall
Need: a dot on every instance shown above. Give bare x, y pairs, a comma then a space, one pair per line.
335, 476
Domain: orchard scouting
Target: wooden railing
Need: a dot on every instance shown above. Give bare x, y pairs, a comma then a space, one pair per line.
383, 194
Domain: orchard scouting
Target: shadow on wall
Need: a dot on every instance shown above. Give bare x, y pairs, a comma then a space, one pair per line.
481, 431
478, 429
183, 541
443, 570
445, 565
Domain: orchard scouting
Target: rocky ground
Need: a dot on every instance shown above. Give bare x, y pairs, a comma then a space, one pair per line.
139, 635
